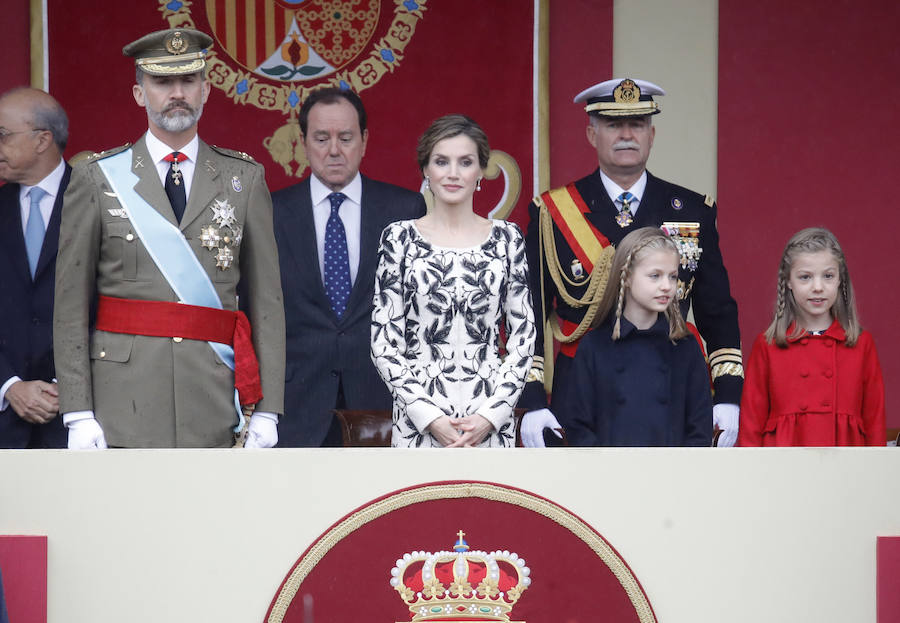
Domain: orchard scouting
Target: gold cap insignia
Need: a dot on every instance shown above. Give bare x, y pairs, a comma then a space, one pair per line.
175, 43
627, 92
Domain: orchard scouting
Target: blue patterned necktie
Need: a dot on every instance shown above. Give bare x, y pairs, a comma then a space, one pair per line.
34, 229
337, 262
625, 218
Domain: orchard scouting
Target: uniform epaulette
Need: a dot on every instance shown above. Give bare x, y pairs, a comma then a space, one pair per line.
107, 153
240, 155
709, 201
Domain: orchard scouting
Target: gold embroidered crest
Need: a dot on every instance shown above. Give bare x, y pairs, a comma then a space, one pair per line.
627, 92
175, 43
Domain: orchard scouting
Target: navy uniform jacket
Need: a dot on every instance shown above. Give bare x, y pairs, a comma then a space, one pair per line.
324, 352
26, 317
715, 311
639, 390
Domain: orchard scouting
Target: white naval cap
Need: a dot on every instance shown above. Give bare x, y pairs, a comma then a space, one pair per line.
621, 97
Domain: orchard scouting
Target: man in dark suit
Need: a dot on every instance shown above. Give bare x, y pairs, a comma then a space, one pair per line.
33, 134
327, 228
570, 243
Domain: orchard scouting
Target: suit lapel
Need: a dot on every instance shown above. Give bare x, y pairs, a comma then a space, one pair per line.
148, 185
51, 237
203, 186
369, 235
650, 202
11, 237
298, 234
602, 211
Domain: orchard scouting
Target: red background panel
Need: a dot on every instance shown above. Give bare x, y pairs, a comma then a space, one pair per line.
581, 41
16, 46
809, 127
888, 579
23, 560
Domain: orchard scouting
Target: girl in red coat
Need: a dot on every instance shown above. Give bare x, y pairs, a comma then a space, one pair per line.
813, 378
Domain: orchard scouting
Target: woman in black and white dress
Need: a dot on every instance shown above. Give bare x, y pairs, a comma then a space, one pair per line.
444, 285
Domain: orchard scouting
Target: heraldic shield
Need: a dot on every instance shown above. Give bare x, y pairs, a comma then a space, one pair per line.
294, 40
455, 551
271, 54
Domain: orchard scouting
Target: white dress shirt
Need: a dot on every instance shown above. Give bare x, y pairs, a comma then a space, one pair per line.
159, 150
614, 190
350, 213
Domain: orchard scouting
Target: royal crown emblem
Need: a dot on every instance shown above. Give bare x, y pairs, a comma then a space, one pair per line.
461, 585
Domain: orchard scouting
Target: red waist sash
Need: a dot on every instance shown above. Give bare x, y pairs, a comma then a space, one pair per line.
167, 319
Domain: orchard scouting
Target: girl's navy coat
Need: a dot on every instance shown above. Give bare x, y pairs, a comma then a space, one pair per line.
641, 390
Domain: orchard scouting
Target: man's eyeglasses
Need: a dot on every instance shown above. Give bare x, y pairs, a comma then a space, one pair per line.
6, 134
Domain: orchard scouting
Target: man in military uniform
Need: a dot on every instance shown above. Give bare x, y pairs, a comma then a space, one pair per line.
571, 239
156, 237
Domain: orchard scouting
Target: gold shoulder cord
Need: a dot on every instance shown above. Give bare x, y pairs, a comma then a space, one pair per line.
591, 299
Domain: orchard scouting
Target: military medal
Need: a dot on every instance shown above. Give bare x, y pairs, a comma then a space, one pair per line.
677, 203
224, 258
687, 238
237, 234
209, 238
223, 213
223, 234
625, 218
173, 159
577, 269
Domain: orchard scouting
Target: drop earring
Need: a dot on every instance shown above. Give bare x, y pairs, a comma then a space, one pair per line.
427, 183
478, 184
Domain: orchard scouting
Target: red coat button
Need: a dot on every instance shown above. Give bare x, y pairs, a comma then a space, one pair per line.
804, 373
828, 374
803, 408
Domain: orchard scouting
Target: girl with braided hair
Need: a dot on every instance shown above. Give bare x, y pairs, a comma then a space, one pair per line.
639, 378
813, 378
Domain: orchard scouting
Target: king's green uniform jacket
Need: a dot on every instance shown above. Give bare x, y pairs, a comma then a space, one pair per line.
164, 391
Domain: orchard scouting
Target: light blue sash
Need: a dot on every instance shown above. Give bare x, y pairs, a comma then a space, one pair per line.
168, 248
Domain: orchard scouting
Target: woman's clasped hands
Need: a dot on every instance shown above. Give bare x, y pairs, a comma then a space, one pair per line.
464, 432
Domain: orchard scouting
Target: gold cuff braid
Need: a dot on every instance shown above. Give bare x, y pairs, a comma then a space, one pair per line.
536, 373
727, 369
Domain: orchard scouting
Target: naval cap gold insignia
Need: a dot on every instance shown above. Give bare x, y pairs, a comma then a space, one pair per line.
621, 97
627, 92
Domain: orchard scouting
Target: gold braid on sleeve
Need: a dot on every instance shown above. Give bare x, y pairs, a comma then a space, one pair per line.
726, 362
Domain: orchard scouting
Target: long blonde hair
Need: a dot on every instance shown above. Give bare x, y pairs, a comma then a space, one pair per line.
812, 240
633, 248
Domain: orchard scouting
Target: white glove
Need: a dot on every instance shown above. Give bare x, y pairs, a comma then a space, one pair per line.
86, 434
533, 425
725, 417
262, 432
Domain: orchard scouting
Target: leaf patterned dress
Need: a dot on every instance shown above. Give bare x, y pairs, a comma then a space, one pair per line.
436, 330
